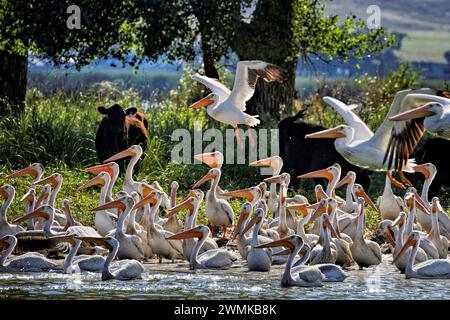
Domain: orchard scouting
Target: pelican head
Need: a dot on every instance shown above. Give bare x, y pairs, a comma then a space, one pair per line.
111, 168
54, 180
342, 131
349, 178
197, 232
431, 110
275, 162
327, 173
290, 242
246, 209
102, 178
35, 170
7, 191
211, 175
359, 192
133, 151
413, 238
210, 100
427, 169
211, 159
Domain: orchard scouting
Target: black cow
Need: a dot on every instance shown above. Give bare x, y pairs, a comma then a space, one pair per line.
120, 129
302, 155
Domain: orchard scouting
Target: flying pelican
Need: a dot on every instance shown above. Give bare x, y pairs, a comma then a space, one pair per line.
121, 270
36, 170
29, 262
130, 245
104, 220
112, 169
365, 252
135, 152
307, 277
228, 106
439, 241
430, 269
7, 192
276, 163
218, 211
211, 259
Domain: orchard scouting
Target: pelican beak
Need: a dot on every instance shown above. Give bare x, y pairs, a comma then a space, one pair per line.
29, 196
347, 179
69, 239
94, 181
207, 158
324, 173
146, 189
284, 252
100, 168
207, 177
120, 155
320, 208
251, 223
149, 199
408, 243
42, 196
389, 237
262, 188
188, 234
366, 197
97, 241
4, 193
206, 101
419, 112
274, 179
261, 163
116, 204
302, 208
420, 203
50, 179
38, 213
423, 170
278, 243
399, 221
243, 193
23, 172
242, 217
329, 133
184, 204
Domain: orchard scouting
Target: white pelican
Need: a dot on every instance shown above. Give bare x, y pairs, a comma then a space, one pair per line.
112, 169
228, 106
55, 180
130, 245
218, 211
439, 241
306, 277
390, 205
257, 259
211, 259
29, 200
7, 192
308, 238
120, 270
332, 174
276, 163
430, 269
70, 219
157, 237
349, 206
365, 252
243, 242
213, 160
252, 194
192, 204
36, 170
410, 124
402, 261
104, 220
324, 253
173, 224
29, 262
134, 228
135, 152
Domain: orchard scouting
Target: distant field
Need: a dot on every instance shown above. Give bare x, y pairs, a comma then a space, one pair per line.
425, 46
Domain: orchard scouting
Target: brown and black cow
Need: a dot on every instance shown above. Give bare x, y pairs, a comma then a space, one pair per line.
120, 129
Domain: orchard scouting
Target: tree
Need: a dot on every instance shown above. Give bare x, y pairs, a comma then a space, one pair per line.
282, 31
40, 26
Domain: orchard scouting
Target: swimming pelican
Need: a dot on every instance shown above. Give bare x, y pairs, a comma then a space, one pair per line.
439, 241
130, 246
29, 262
104, 220
121, 270
228, 106
36, 170
306, 277
7, 192
365, 252
276, 163
218, 211
430, 269
135, 152
112, 169
211, 259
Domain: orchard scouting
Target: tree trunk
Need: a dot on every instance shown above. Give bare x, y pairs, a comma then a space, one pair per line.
13, 83
208, 60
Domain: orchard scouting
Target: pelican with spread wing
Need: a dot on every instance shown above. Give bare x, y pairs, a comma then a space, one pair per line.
228, 106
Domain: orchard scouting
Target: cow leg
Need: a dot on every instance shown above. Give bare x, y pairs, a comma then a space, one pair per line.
404, 179
238, 140
250, 137
394, 181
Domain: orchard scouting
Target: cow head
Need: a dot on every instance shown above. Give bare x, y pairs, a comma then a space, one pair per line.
116, 115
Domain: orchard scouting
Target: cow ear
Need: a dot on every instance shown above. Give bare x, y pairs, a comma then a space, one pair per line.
131, 111
102, 110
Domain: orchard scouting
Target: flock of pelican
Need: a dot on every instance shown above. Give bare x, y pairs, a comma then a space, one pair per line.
317, 242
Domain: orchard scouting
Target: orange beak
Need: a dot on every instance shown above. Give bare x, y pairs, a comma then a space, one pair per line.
410, 242
146, 189
324, 173
186, 204
399, 221
243, 193
320, 209
419, 202
274, 179
188, 234
116, 204
94, 181
42, 196
344, 181
50, 179
423, 170
210, 159
206, 101
329, 133
278, 243
38, 213
364, 195
242, 217
419, 112
150, 199
100, 168
96, 241
3, 193
23, 172
207, 177
302, 208
29, 196
251, 223
389, 237
120, 155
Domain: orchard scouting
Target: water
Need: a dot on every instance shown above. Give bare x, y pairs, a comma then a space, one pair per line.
175, 281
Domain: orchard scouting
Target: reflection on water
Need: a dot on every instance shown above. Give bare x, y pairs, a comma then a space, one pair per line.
174, 281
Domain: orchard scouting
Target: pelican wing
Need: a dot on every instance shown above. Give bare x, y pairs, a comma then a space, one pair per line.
362, 131
434, 268
247, 75
403, 136
214, 85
